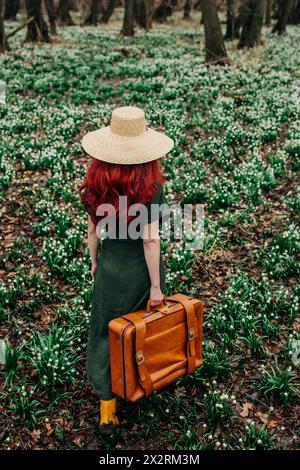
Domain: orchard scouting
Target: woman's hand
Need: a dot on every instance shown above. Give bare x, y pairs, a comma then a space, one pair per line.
93, 270
156, 296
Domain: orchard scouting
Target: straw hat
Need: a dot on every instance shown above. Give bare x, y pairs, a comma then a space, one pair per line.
127, 139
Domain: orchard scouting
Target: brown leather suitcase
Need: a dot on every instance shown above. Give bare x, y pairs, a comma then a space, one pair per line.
149, 349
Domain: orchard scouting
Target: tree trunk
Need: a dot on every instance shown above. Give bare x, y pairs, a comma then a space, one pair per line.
142, 13
93, 17
232, 21
128, 27
215, 51
187, 10
269, 4
11, 9
51, 15
37, 29
294, 16
284, 8
109, 11
163, 11
3, 40
64, 16
252, 15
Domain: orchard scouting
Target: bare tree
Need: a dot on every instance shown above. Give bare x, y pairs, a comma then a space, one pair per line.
232, 20
162, 11
252, 15
128, 21
64, 16
187, 9
11, 9
109, 11
283, 11
142, 11
93, 16
215, 51
37, 29
294, 16
51, 15
269, 5
3, 40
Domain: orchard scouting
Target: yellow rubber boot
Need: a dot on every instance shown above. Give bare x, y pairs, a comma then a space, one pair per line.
108, 411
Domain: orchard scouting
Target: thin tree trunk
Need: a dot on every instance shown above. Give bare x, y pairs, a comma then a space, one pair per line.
142, 13
187, 10
37, 29
215, 51
284, 8
269, 4
128, 26
93, 17
163, 11
3, 40
51, 15
11, 9
109, 11
294, 16
231, 21
252, 15
64, 16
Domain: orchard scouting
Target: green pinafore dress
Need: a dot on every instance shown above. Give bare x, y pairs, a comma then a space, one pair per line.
121, 285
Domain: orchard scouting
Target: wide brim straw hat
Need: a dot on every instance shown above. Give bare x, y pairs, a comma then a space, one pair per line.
127, 140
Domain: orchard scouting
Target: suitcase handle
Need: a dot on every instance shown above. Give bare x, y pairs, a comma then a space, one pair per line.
148, 308
164, 302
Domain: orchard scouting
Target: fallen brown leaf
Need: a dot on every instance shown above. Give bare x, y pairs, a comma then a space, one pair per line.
263, 417
36, 434
246, 408
49, 429
272, 424
77, 441
59, 420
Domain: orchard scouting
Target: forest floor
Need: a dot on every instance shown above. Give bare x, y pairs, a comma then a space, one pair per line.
237, 151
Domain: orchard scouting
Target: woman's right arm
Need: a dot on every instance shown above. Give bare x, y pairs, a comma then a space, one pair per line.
151, 245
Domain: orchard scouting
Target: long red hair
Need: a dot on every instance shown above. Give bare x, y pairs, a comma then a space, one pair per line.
105, 182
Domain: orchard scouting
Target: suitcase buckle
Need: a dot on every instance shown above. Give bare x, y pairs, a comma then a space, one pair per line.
137, 360
191, 333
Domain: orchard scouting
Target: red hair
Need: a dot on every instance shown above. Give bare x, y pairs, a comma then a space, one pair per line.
105, 182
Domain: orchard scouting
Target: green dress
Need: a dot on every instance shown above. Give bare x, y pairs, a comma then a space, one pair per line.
121, 285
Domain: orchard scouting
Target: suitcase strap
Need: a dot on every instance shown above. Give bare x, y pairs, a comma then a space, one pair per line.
140, 335
191, 329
